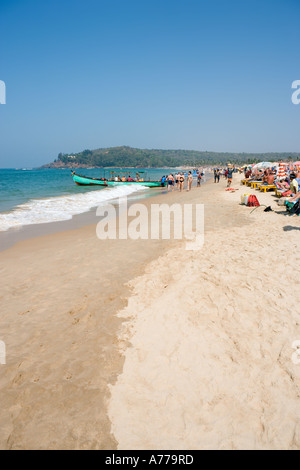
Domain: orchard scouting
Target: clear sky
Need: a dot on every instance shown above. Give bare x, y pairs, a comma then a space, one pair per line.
194, 74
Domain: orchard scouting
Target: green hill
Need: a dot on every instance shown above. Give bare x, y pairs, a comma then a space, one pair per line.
143, 158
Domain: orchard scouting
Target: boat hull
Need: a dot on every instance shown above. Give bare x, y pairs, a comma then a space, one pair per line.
86, 181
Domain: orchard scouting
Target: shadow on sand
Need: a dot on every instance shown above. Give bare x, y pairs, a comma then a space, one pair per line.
288, 228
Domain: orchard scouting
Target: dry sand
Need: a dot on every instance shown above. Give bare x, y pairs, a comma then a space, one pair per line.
199, 358
211, 332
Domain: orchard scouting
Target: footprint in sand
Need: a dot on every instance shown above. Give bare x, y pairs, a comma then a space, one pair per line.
24, 313
18, 379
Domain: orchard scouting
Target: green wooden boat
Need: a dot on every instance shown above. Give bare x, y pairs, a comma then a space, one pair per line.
87, 181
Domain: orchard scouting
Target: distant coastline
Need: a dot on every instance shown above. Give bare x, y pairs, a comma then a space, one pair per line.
128, 157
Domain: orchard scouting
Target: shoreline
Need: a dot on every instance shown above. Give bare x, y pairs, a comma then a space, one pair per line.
82, 318
13, 235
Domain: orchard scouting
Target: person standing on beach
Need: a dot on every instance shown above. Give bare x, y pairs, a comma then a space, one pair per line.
189, 181
177, 180
181, 182
163, 180
218, 175
215, 175
170, 182
199, 178
229, 176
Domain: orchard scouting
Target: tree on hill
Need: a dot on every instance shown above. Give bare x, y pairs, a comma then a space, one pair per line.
125, 156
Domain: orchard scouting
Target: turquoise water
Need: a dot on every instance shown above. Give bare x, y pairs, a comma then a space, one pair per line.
39, 196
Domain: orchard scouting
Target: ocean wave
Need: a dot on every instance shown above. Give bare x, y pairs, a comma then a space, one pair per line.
55, 209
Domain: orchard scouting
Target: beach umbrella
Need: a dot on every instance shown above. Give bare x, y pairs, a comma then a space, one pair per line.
281, 171
262, 165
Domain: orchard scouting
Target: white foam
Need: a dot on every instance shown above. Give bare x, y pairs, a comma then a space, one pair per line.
54, 209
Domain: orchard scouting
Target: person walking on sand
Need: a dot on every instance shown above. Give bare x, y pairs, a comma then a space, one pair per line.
177, 175
181, 182
170, 182
199, 178
215, 175
189, 181
162, 181
229, 177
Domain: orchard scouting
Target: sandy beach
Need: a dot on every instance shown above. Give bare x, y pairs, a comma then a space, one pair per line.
145, 345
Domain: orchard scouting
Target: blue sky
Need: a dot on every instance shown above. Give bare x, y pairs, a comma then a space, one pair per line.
204, 75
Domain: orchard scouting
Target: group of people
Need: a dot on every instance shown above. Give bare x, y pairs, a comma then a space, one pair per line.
227, 174
269, 176
265, 176
288, 186
129, 179
177, 181
290, 192
217, 175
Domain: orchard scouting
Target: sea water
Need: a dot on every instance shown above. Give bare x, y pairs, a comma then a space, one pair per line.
31, 196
